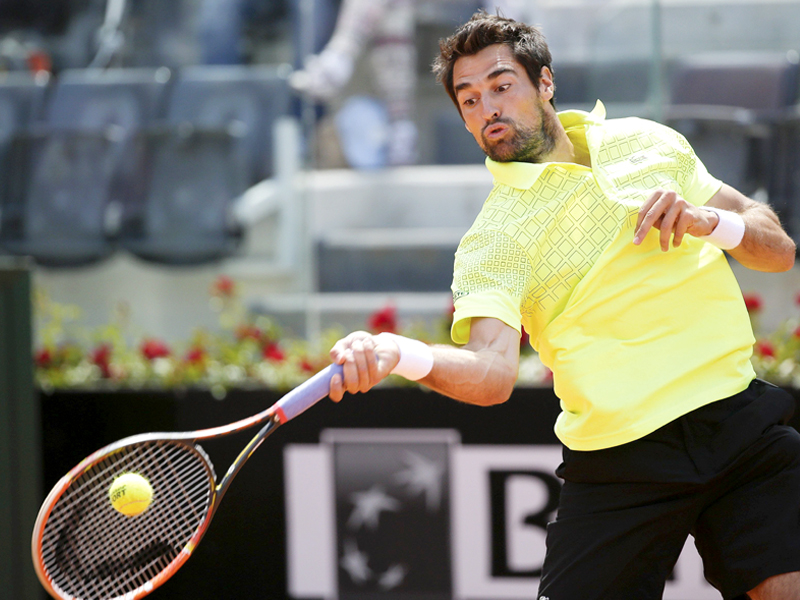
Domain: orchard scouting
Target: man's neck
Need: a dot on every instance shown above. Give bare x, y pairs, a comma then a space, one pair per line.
565, 150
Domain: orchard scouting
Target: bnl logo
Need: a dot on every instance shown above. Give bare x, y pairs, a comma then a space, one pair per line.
503, 498
522, 503
404, 514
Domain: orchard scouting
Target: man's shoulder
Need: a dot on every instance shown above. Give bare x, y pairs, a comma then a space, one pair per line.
642, 132
634, 125
485, 235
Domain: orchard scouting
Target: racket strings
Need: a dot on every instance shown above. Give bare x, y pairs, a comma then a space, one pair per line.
92, 552
92, 540
95, 545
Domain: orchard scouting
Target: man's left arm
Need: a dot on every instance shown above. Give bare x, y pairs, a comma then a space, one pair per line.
764, 246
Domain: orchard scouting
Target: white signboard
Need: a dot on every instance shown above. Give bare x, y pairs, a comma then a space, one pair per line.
414, 514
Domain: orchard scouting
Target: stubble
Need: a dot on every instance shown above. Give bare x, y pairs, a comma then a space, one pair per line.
524, 144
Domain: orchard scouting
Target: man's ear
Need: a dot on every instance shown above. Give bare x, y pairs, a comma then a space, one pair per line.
547, 86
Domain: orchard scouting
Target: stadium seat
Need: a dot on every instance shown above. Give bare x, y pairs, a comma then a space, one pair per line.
247, 100
70, 167
55, 197
728, 106
216, 140
179, 210
126, 100
21, 98
94, 99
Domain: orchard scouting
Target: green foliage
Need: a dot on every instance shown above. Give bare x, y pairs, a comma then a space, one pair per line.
246, 350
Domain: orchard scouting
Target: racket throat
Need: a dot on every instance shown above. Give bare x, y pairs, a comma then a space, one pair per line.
244, 455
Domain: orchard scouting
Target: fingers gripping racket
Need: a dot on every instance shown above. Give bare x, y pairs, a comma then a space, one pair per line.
83, 549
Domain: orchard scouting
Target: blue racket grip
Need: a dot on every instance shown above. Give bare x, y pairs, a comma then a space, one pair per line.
307, 394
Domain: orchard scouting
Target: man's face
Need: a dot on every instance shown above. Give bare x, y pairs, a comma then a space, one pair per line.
502, 108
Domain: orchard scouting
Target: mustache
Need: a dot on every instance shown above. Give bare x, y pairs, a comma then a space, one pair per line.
498, 121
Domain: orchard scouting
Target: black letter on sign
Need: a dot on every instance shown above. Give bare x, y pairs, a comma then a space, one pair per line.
497, 488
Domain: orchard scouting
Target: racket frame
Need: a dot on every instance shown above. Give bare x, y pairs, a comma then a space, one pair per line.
291, 405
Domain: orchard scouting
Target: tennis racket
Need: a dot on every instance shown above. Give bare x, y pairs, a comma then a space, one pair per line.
83, 549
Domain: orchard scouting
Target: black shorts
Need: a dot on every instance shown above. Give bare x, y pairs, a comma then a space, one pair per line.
727, 473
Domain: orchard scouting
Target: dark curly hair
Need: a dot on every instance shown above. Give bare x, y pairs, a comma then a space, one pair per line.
526, 42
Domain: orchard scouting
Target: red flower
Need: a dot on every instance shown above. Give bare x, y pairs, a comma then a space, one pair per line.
223, 286
152, 349
195, 355
101, 356
753, 302
38, 60
524, 339
383, 320
273, 352
765, 348
797, 299
248, 332
307, 367
797, 332
43, 358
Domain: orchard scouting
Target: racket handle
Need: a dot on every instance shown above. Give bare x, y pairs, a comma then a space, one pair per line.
307, 394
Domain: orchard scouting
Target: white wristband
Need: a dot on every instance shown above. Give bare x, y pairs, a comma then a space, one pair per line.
729, 231
416, 358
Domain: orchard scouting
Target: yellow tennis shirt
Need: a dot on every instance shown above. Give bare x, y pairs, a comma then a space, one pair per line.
635, 337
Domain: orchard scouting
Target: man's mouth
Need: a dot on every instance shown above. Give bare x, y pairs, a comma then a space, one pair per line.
496, 131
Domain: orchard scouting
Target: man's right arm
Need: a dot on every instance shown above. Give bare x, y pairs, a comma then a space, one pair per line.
482, 372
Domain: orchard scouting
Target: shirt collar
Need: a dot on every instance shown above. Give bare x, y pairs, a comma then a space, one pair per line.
522, 175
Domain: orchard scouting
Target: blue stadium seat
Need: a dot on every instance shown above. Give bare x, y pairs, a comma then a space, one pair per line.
179, 210
215, 141
246, 100
127, 100
69, 168
94, 99
21, 99
55, 197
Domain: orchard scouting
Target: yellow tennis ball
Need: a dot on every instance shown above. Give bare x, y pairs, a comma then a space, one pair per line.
130, 494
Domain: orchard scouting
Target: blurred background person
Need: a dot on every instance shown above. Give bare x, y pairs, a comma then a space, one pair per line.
387, 28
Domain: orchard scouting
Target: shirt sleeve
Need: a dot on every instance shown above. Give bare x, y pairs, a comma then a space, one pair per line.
489, 279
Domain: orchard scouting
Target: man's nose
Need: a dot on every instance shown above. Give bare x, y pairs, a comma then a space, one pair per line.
491, 111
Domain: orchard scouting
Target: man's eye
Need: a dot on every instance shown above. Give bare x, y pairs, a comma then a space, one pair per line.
469, 102
503, 87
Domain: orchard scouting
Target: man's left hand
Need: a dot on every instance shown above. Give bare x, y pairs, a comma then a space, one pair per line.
673, 216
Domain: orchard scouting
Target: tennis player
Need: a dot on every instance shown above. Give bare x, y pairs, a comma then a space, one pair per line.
605, 239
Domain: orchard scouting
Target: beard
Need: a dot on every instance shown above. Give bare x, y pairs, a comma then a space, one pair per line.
522, 144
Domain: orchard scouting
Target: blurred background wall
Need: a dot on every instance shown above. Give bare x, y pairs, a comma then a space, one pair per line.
149, 146
157, 154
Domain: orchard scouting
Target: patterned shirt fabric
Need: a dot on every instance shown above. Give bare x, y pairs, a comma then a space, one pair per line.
635, 337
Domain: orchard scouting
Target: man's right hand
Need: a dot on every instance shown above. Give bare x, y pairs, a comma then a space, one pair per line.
367, 360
